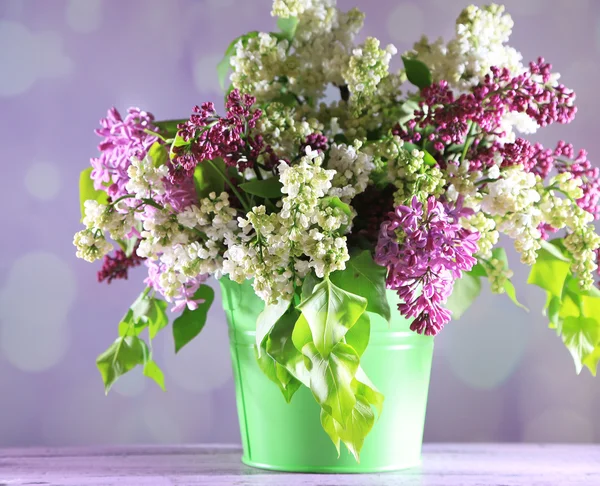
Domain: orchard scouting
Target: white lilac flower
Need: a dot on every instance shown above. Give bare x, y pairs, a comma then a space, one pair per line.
116, 220
498, 274
289, 8
352, 167
145, 180
257, 64
276, 250
479, 44
411, 175
367, 66
486, 227
583, 244
91, 245
512, 201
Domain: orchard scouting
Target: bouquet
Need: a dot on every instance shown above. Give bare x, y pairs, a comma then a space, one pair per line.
404, 181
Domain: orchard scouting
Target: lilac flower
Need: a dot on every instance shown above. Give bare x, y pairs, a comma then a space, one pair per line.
123, 139
184, 297
425, 250
566, 161
212, 136
117, 266
448, 119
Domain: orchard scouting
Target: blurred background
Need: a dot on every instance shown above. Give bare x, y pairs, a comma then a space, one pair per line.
499, 373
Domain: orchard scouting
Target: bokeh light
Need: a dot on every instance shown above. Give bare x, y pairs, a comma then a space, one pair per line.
42, 180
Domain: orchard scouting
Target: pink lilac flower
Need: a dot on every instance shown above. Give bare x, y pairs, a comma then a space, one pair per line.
185, 296
545, 229
179, 196
212, 136
123, 139
425, 250
117, 266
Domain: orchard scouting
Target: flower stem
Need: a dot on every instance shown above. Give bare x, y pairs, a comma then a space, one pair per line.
231, 185
468, 141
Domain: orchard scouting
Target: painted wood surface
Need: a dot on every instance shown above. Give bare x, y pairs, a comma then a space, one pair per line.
443, 464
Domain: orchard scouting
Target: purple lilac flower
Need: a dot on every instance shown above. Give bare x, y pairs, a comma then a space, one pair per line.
123, 139
213, 136
485, 106
425, 250
316, 141
117, 266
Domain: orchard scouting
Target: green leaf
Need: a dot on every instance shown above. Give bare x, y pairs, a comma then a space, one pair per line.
359, 334
87, 190
552, 311
417, 72
554, 250
581, 335
158, 154
187, 326
512, 294
466, 290
157, 317
266, 188
328, 425
281, 348
361, 385
330, 311
549, 272
178, 141
122, 356
275, 372
336, 202
407, 111
128, 245
365, 278
168, 128
224, 65
287, 27
478, 270
427, 157
500, 254
141, 306
145, 311
301, 335
331, 379
152, 370
310, 282
359, 424
267, 319
591, 360
207, 179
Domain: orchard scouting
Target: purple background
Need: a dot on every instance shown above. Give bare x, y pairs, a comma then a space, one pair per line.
499, 373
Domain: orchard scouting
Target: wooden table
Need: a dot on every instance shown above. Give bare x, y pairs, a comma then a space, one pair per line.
443, 464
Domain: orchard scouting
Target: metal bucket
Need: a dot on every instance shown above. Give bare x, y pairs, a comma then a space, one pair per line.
288, 437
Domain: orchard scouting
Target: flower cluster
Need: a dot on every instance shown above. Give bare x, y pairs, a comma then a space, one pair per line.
123, 139
368, 65
480, 44
277, 250
425, 250
352, 169
325, 162
206, 136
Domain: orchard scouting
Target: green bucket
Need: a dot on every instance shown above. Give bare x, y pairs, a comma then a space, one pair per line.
288, 437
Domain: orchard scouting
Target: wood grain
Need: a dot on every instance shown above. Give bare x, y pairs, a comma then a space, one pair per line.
443, 464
